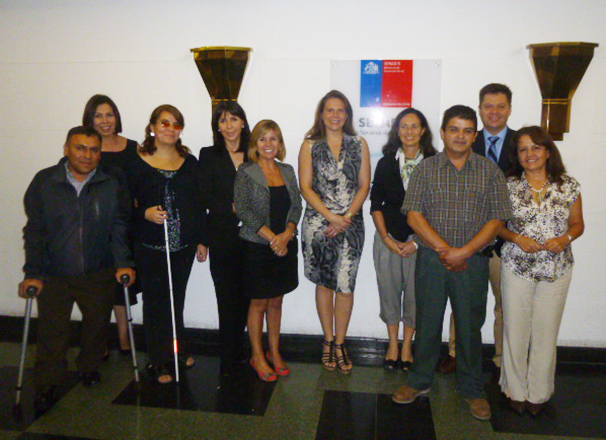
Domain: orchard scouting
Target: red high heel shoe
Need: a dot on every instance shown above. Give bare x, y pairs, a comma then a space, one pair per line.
270, 376
280, 371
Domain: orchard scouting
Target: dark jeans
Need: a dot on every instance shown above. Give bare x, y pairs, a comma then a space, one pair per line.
467, 292
157, 320
227, 270
94, 295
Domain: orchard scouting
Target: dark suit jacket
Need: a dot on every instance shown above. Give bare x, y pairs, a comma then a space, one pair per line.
217, 176
479, 147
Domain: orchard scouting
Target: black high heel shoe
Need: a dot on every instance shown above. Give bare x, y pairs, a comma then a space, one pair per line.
159, 374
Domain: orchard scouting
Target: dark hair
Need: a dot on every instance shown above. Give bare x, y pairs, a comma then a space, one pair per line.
149, 144
90, 109
555, 166
461, 112
393, 138
235, 109
260, 129
318, 131
86, 131
493, 89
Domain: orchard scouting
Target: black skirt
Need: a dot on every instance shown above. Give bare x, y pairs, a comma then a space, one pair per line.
265, 274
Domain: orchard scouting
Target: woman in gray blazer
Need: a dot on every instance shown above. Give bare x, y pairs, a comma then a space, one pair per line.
268, 202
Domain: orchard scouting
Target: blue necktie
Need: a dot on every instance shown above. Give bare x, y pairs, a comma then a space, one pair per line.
492, 150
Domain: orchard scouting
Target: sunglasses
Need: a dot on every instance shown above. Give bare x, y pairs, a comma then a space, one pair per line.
166, 124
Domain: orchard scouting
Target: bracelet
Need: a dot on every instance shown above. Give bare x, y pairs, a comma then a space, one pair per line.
416, 245
569, 237
349, 215
517, 238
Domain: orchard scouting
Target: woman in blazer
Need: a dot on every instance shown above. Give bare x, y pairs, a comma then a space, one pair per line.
267, 200
218, 165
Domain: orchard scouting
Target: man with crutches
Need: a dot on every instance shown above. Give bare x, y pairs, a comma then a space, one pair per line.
75, 248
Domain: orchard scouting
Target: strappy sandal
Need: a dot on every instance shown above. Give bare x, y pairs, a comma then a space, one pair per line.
328, 359
343, 360
159, 375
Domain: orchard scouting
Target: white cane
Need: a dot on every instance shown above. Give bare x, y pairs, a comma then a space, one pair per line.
172, 300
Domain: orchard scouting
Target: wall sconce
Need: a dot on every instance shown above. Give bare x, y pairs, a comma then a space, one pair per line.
559, 68
222, 69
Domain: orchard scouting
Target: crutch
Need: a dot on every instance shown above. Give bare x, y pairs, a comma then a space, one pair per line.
125, 279
172, 300
31, 293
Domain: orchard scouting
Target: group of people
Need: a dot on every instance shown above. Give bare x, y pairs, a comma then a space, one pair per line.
111, 205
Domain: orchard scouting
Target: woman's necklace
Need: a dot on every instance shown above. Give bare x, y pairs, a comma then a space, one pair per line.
540, 196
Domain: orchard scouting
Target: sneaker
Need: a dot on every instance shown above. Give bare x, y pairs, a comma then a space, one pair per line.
407, 394
479, 408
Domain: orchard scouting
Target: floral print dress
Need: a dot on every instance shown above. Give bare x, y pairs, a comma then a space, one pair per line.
540, 223
333, 262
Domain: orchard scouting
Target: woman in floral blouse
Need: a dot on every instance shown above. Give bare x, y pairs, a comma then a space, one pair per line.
536, 266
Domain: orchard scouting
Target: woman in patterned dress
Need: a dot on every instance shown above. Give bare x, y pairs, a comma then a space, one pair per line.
536, 266
334, 173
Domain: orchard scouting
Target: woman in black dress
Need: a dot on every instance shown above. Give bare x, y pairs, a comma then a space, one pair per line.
101, 113
267, 200
164, 183
218, 165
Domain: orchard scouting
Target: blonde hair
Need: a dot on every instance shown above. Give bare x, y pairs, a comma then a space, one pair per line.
260, 129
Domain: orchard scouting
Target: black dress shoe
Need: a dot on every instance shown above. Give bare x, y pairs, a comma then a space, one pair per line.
390, 364
90, 379
45, 398
449, 365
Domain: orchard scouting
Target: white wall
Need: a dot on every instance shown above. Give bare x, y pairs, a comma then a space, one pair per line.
55, 54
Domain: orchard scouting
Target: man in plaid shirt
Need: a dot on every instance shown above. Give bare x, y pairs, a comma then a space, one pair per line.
456, 203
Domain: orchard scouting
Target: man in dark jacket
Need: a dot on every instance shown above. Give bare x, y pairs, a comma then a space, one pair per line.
75, 244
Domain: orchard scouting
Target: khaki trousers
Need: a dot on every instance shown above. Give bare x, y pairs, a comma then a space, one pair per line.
532, 315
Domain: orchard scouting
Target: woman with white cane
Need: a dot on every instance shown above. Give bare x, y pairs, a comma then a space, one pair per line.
168, 229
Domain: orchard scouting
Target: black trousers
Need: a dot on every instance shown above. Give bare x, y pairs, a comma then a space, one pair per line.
227, 270
94, 296
157, 320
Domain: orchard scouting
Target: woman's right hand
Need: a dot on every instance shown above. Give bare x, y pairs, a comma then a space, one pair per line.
528, 245
156, 215
393, 245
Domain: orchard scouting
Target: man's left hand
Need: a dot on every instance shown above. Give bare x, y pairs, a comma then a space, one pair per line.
121, 271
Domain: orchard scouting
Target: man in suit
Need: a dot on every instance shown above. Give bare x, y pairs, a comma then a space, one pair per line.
493, 142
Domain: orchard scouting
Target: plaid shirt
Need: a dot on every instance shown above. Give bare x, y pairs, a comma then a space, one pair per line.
457, 204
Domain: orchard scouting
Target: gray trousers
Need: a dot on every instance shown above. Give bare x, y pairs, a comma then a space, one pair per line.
396, 280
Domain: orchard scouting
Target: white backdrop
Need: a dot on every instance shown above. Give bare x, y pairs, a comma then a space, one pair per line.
55, 54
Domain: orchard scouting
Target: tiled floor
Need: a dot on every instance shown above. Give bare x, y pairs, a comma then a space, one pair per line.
310, 404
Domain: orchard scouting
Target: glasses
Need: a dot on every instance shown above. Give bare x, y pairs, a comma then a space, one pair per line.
166, 124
